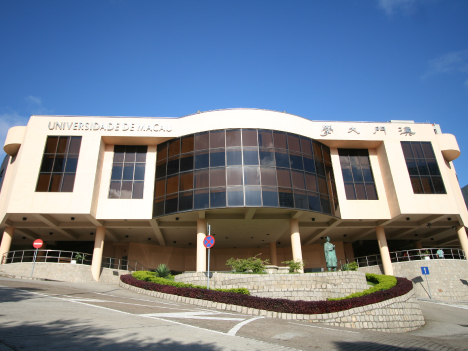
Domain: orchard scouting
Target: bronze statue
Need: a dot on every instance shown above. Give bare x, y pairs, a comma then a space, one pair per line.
330, 255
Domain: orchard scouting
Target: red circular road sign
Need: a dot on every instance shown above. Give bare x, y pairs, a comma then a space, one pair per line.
209, 241
38, 243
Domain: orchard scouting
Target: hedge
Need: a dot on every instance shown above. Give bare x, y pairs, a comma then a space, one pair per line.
384, 282
402, 287
152, 278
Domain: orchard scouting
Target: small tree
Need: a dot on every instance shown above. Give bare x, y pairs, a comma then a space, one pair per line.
240, 265
294, 266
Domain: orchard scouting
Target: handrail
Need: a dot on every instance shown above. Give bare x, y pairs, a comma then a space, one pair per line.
122, 264
74, 257
407, 255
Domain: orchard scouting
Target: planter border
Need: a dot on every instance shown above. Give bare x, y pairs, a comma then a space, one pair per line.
397, 315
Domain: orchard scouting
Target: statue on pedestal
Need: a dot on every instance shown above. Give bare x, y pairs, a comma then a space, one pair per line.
330, 255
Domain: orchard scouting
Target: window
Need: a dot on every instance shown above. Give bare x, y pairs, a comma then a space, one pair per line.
243, 167
357, 174
58, 168
423, 168
128, 172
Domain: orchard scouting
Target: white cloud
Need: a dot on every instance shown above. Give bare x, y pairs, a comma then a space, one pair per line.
452, 62
34, 100
392, 6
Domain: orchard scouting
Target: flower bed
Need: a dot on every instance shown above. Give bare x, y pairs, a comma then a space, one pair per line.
402, 287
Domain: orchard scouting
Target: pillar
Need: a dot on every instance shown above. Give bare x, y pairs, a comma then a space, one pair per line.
418, 245
273, 257
462, 237
6, 241
97, 252
295, 241
384, 253
201, 249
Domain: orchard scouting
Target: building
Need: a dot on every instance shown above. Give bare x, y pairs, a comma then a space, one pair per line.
266, 182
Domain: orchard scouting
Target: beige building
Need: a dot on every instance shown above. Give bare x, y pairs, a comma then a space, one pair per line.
266, 182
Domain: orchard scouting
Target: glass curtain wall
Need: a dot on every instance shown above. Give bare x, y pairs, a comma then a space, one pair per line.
243, 168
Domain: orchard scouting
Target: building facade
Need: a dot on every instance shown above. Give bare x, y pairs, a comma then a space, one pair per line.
266, 182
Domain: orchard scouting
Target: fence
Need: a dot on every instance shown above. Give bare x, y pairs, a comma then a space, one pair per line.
73, 257
407, 255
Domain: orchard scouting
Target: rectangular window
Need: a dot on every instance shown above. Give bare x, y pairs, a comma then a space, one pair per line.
128, 173
59, 161
422, 167
357, 175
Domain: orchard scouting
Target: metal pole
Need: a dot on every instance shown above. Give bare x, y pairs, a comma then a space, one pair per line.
208, 275
34, 262
430, 295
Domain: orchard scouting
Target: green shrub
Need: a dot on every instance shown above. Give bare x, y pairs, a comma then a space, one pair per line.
345, 267
162, 271
353, 266
152, 278
254, 264
294, 266
382, 282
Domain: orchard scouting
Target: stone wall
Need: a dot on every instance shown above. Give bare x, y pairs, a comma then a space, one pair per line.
397, 315
65, 272
307, 287
448, 279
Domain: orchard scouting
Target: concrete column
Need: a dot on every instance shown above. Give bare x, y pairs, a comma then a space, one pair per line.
97, 253
418, 244
6, 241
273, 257
384, 253
462, 237
295, 240
201, 249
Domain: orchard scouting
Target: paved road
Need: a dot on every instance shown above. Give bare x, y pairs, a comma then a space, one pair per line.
39, 315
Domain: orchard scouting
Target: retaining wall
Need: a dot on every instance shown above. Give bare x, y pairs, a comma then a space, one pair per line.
448, 279
306, 286
397, 315
65, 272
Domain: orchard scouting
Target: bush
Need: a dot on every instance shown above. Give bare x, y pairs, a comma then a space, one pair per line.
353, 266
152, 278
402, 287
162, 271
294, 266
254, 264
382, 282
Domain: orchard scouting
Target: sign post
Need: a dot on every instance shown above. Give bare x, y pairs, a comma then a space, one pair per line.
425, 272
208, 242
37, 244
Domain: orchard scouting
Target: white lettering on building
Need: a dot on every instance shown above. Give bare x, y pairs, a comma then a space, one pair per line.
111, 127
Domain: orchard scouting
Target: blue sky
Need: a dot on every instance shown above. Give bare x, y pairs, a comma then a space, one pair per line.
351, 60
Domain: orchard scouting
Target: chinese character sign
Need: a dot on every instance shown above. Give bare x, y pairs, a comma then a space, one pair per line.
405, 131
326, 130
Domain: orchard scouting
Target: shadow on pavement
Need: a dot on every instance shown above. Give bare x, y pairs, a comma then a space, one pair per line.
76, 335
15, 294
362, 346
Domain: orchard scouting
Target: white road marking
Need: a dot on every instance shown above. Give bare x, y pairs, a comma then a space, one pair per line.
236, 328
446, 304
313, 326
127, 313
191, 315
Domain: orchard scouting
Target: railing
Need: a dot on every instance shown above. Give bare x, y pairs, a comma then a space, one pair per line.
59, 256
121, 264
407, 255
51, 256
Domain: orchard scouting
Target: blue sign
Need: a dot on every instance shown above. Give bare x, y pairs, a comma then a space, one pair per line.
209, 242
425, 270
